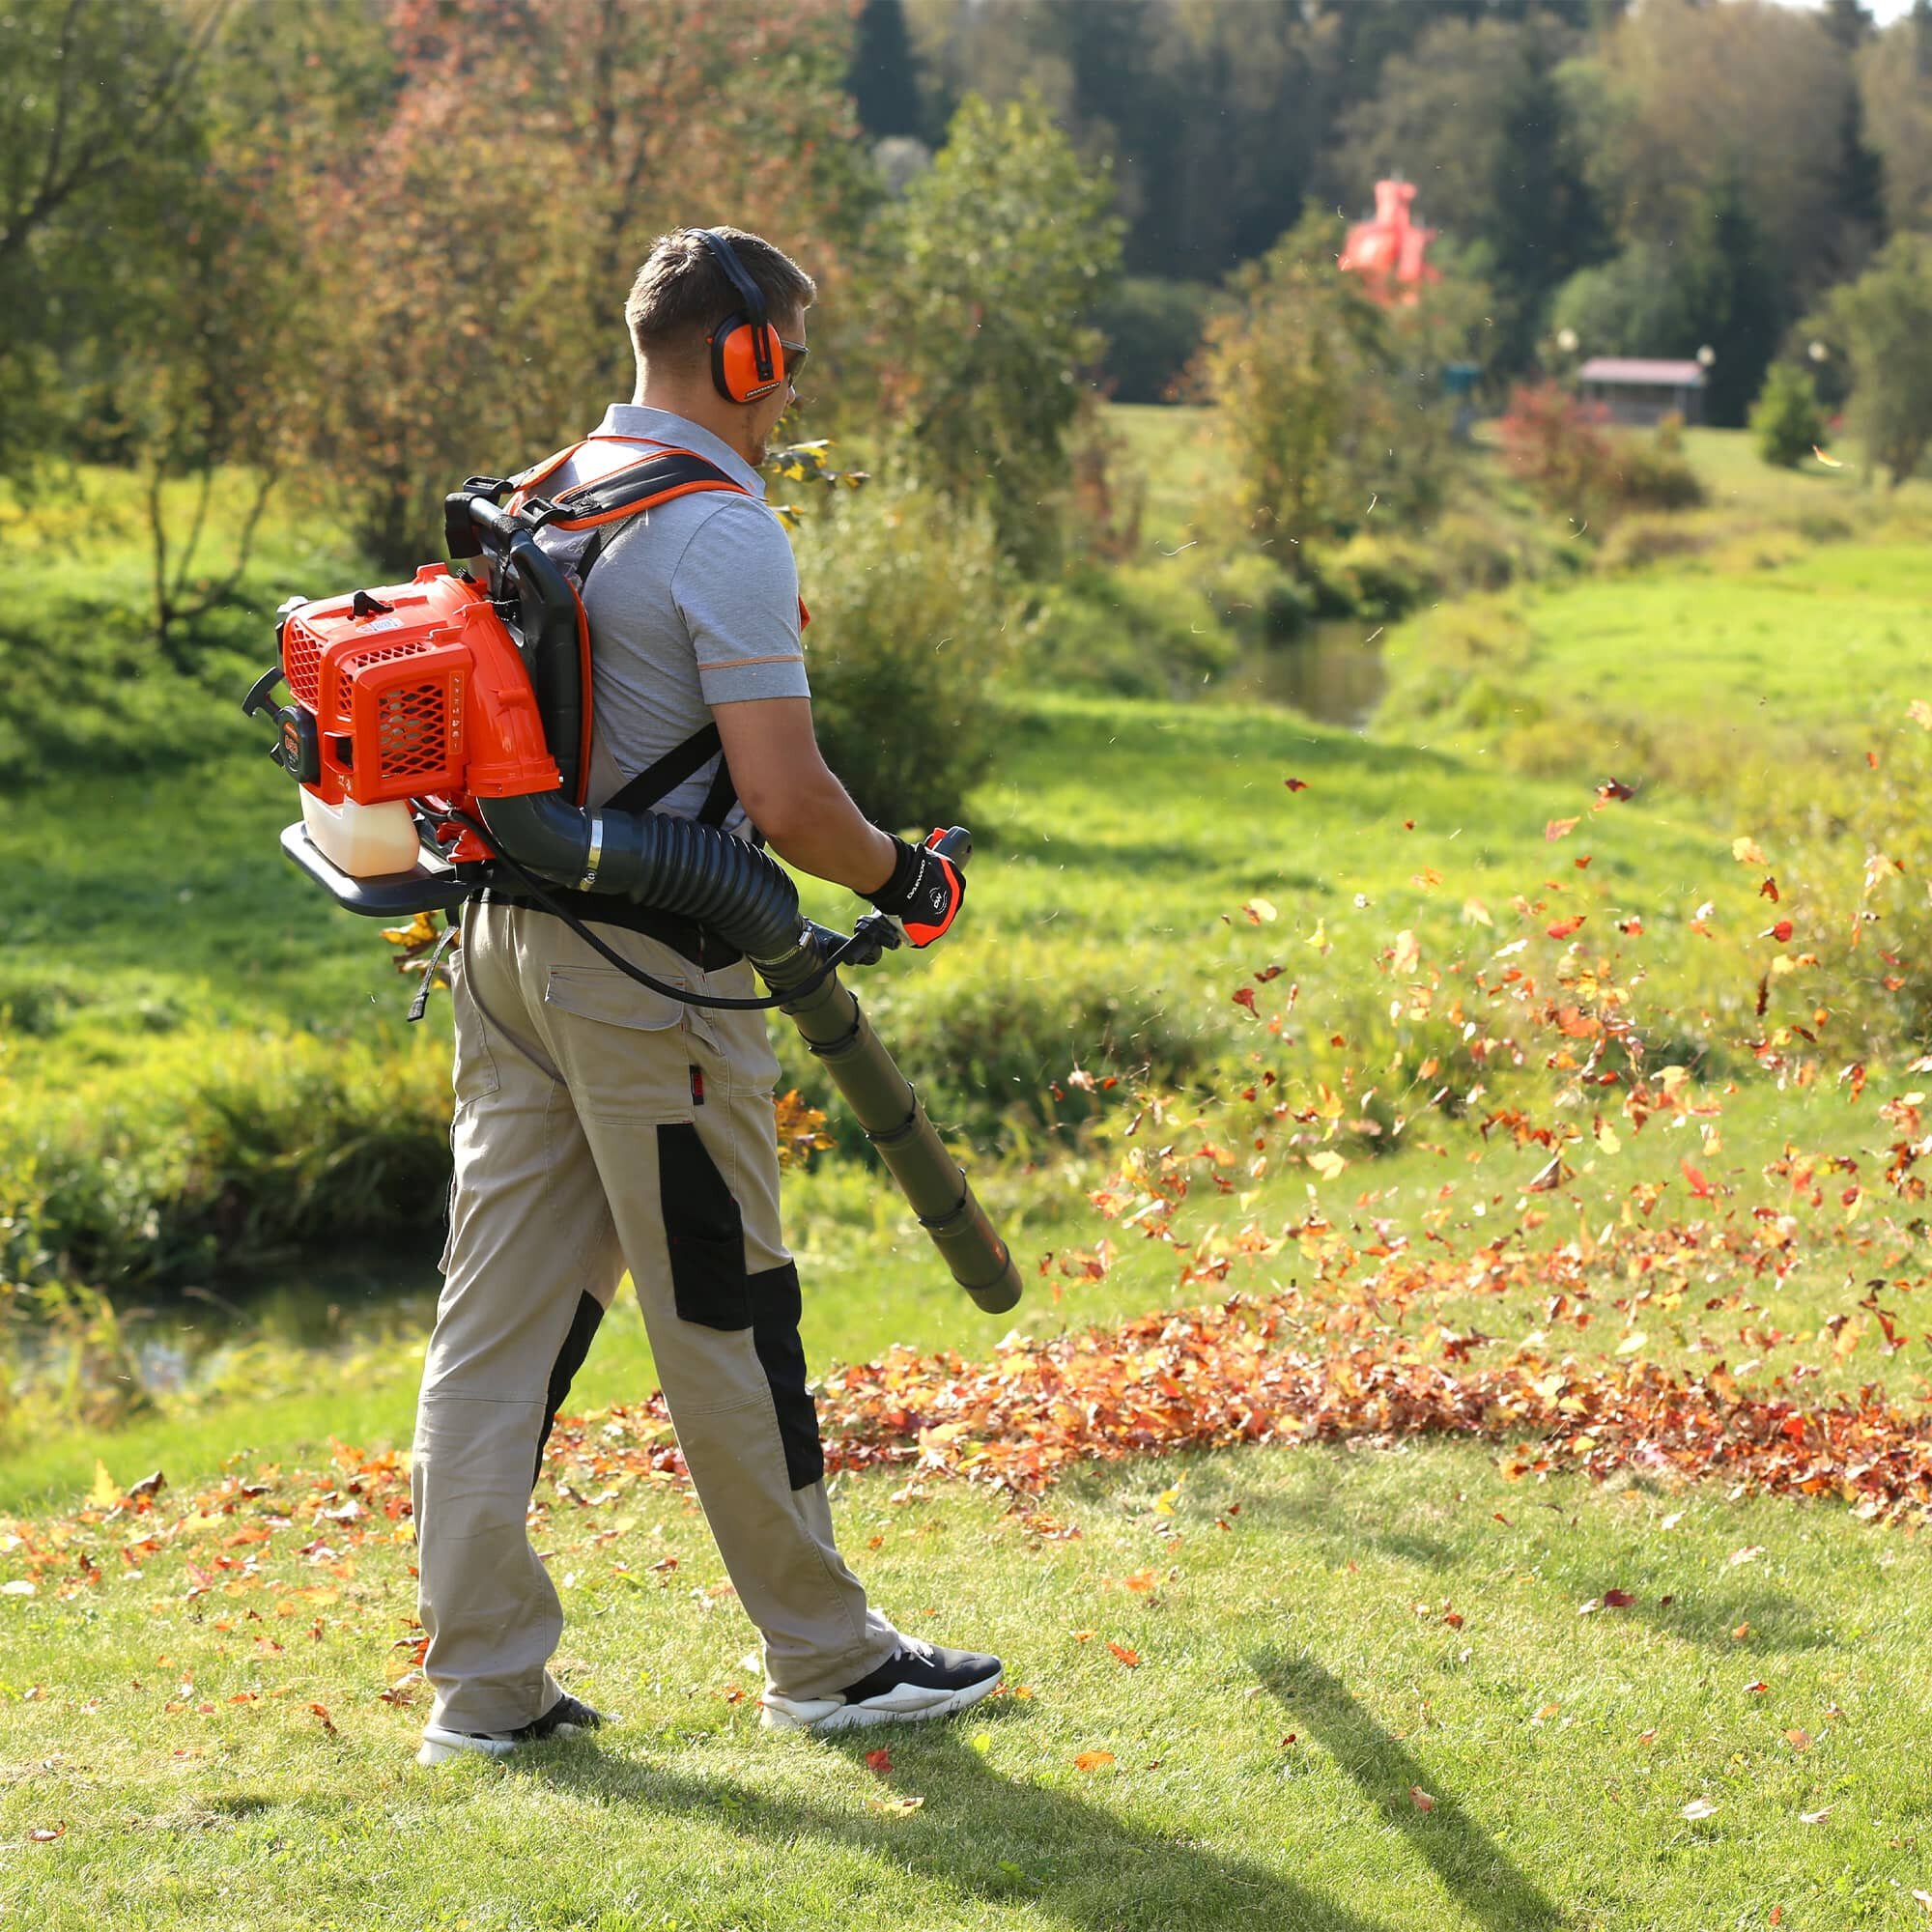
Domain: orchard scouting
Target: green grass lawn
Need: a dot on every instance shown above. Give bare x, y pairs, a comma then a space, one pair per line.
1377, 1698
1411, 1620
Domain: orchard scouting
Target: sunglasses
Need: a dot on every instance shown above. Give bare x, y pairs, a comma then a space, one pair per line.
795, 353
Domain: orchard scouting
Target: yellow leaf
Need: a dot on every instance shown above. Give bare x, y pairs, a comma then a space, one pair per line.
1165, 1501
1259, 911
1408, 952
105, 1492
1476, 913
1327, 1163
1747, 852
1092, 1760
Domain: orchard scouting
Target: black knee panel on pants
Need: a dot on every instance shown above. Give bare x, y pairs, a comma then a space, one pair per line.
776, 1306
703, 1230
563, 1371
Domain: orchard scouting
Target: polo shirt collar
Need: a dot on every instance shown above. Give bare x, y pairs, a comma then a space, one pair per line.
662, 426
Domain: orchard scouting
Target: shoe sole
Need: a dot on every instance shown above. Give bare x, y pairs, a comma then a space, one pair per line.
822, 1714
440, 1746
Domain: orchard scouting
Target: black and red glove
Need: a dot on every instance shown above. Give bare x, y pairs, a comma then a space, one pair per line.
923, 895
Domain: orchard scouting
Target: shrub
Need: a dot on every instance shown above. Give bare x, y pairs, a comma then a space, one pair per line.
1470, 550
911, 627
1289, 609
986, 1042
1786, 418
219, 1154
1648, 540
1652, 472
1392, 575
1139, 631
1557, 447
1254, 596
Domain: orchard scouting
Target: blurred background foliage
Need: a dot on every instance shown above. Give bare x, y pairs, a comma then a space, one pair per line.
275, 276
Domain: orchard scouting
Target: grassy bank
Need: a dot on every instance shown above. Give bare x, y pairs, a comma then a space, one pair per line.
207, 1080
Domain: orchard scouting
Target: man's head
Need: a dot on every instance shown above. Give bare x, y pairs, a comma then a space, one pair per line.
692, 360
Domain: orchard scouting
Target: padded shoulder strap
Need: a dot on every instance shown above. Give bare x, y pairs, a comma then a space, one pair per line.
638, 486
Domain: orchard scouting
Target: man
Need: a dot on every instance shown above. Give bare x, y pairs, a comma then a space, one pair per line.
600, 1126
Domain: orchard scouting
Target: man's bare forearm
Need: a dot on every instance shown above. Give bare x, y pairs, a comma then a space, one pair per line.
821, 832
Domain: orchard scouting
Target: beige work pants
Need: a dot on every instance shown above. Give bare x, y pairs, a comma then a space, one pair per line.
599, 1125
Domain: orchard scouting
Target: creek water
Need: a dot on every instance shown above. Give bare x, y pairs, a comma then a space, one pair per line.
175, 1340
1333, 672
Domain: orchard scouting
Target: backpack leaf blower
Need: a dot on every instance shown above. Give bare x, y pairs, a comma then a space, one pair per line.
439, 733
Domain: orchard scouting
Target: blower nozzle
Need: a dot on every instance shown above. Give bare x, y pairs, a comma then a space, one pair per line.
885, 1107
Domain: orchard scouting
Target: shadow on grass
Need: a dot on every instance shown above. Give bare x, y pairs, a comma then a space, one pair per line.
1672, 1595
1470, 1866
986, 1837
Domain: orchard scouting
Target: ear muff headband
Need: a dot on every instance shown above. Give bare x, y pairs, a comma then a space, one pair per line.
745, 362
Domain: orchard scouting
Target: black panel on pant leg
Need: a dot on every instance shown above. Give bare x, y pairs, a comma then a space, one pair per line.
563, 1371
776, 1306
703, 1230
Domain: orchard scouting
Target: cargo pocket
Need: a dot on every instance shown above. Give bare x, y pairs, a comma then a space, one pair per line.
632, 1063
703, 1230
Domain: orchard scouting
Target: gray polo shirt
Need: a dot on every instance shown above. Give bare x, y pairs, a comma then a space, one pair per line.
691, 605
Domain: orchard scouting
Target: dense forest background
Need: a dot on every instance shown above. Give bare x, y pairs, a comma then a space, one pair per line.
1657, 179
180, 179
264, 262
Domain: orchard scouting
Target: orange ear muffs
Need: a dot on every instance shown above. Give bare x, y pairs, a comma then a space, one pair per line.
738, 369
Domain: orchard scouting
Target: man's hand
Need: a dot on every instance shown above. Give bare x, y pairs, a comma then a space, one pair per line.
923, 895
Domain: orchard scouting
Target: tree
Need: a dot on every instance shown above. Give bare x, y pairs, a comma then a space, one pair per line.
997, 251
99, 115
1292, 369
1681, 93
883, 77
1633, 304
474, 321
1786, 418
1895, 79
1475, 115
1884, 322
1735, 297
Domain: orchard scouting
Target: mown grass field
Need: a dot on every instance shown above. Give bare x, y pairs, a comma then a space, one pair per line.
1406, 1615
1366, 1636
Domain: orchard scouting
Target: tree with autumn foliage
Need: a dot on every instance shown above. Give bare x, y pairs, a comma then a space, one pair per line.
471, 251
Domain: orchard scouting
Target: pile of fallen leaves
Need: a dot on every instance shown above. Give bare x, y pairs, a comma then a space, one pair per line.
1210, 1377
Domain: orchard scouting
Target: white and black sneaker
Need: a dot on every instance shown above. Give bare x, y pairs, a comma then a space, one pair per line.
918, 1680
563, 1720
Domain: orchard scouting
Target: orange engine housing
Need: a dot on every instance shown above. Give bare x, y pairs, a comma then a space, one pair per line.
417, 691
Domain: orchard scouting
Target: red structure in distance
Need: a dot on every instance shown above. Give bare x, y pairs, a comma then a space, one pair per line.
1387, 252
